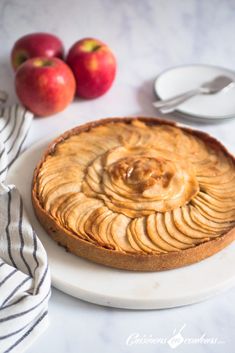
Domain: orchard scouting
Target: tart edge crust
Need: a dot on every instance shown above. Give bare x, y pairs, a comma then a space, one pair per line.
115, 259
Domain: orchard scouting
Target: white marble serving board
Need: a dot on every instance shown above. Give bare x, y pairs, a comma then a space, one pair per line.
117, 288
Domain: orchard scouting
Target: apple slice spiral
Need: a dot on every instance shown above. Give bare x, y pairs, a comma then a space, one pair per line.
136, 188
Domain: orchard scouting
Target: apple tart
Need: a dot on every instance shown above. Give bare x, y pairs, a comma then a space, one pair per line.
137, 193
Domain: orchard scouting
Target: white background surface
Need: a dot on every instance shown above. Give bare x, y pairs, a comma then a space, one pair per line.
147, 37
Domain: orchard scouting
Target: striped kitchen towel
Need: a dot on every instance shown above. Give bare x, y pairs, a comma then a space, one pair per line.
24, 274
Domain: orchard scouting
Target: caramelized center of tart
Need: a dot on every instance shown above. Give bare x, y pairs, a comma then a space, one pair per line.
135, 188
145, 175
137, 181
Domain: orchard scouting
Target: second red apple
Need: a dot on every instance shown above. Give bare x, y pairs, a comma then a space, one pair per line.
93, 65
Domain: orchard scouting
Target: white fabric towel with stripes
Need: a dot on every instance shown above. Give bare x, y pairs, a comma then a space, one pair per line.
24, 274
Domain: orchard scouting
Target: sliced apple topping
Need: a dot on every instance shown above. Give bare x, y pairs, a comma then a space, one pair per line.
136, 188
126, 174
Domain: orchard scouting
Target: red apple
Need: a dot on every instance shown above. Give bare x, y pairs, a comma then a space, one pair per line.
45, 86
35, 45
93, 65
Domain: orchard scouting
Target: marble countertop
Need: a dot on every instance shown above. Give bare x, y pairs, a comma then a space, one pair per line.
147, 37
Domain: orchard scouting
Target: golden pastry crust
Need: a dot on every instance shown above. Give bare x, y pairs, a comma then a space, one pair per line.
151, 253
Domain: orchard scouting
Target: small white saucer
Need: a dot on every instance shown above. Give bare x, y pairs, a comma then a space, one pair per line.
183, 78
116, 288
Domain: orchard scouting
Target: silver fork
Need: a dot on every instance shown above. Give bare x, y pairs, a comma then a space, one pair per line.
211, 87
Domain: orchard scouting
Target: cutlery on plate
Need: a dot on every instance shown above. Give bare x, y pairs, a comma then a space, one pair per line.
216, 85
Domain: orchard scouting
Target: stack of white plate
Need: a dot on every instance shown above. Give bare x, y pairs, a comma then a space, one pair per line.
202, 107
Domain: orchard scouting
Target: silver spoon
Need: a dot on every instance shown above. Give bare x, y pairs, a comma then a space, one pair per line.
211, 87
